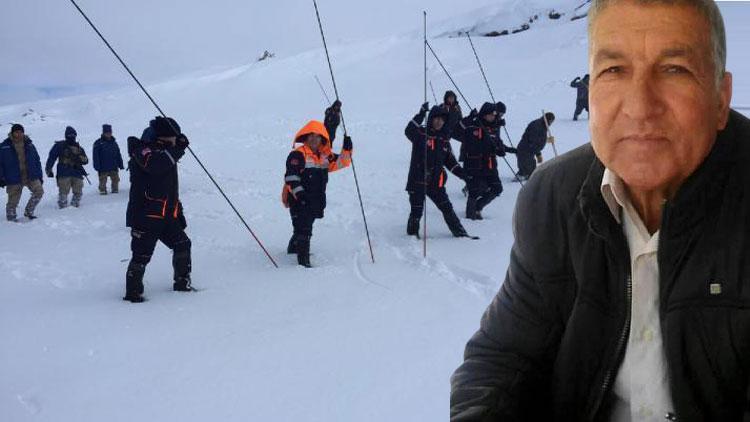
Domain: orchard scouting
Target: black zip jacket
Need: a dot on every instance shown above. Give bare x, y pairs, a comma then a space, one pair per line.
553, 339
154, 196
439, 156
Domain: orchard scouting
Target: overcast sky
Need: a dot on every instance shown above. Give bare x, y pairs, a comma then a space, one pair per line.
49, 50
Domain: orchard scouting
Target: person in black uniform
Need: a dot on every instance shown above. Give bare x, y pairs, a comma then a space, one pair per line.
534, 139
582, 95
480, 140
155, 212
435, 142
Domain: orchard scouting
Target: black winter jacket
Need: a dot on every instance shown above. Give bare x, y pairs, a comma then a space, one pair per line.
480, 145
551, 342
439, 156
534, 137
154, 190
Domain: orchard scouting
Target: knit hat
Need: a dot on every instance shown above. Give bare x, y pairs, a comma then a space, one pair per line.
166, 127
487, 108
16, 127
500, 107
438, 111
70, 132
106, 128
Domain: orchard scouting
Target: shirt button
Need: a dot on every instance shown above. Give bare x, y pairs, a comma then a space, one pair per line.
648, 335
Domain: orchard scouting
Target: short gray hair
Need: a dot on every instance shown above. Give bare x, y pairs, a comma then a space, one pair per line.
707, 8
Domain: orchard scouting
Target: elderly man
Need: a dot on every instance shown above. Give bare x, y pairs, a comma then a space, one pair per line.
628, 292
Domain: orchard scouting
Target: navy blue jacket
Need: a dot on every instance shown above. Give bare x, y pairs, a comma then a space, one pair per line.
10, 171
534, 137
71, 157
107, 156
480, 145
439, 156
154, 189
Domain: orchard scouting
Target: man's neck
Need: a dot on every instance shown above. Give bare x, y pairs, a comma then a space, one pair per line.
649, 206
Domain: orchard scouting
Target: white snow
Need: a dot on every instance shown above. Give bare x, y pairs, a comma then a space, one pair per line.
346, 341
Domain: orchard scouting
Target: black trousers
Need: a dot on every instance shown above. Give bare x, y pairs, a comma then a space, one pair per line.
142, 245
580, 106
526, 163
484, 188
438, 196
302, 222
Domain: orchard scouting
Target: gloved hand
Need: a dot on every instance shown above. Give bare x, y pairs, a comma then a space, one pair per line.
182, 141
550, 139
348, 146
511, 150
425, 107
2, 183
539, 159
501, 123
473, 113
300, 198
49, 173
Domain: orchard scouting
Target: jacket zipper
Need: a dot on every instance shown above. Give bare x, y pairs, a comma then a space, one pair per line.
620, 344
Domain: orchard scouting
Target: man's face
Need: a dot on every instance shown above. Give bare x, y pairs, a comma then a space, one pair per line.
450, 101
17, 135
489, 118
107, 135
655, 105
314, 141
438, 123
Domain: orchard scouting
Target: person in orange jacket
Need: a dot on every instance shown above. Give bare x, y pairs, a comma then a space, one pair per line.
305, 181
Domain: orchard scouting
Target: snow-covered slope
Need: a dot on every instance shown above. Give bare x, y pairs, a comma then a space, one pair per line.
345, 341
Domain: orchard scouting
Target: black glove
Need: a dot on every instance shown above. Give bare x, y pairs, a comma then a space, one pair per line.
511, 150
425, 108
300, 198
182, 141
348, 143
473, 113
501, 123
49, 173
2, 183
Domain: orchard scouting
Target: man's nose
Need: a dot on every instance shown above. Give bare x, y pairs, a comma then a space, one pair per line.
643, 100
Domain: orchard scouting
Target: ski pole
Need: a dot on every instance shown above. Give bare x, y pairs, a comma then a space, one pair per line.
325, 94
489, 88
549, 133
448, 74
343, 123
434, 97
481, 68
424, 153
132, 75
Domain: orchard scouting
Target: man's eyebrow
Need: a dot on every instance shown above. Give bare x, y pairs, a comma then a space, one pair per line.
678, 51
608, 54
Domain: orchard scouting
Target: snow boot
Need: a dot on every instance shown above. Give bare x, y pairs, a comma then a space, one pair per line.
182, 265
182, 284
454, 224
303, 251
134, 282
412, 226
471, 209
291, 249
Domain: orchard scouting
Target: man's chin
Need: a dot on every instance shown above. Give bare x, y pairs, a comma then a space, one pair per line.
645, 177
